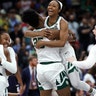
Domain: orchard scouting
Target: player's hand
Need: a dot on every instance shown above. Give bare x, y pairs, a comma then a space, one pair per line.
21, 89
52, 34
43, 33
30, 28
47, 33
39, 44
71, 59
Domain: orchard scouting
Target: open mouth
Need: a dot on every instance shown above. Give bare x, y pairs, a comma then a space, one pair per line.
50, 11
5, 45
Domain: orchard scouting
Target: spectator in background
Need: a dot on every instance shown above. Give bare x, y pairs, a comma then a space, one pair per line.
3, 19
12, 20
73, 24
84, 36
28, 74
23, 56
17, 32
92, 22
25, 5
17, 44
7, 4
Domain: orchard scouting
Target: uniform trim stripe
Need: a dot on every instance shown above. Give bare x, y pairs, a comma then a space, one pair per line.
46, 63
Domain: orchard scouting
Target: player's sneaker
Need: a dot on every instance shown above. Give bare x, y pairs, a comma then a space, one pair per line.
93, 93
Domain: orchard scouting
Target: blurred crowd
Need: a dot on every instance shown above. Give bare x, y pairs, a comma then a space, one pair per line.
81, 15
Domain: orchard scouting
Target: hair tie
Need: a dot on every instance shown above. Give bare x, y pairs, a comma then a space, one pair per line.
61, 5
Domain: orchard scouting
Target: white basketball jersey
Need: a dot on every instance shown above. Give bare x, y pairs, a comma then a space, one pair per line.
57, 26
47, 54
2, 56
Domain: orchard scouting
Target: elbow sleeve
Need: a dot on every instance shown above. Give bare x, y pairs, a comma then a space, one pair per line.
89, 62
11, 67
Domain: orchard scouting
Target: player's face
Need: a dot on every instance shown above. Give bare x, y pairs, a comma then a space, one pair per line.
5, 39
53, 8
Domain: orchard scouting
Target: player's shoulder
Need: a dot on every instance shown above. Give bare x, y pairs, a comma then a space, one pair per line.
1, 46
6, 51
10, 49
94, 47
64, 20
44, 18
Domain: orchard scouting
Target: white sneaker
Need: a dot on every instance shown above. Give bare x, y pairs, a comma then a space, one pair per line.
93, 93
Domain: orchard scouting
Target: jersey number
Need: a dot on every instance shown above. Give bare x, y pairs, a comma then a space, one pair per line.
35, 40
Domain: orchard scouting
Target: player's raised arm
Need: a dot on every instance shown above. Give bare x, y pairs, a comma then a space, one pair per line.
10, 66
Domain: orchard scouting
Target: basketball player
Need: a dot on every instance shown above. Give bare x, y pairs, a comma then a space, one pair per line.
7, 61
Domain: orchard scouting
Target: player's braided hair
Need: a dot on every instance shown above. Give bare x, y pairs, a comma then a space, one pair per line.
31, 17
2, 31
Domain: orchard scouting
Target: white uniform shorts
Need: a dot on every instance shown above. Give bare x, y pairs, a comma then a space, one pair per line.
66, 52
3, 85
52, 76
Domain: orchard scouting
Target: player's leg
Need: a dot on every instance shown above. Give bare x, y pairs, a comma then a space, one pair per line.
64, 91
73, 73
74, 78
45, 92
54, 93
44, 87
60, 82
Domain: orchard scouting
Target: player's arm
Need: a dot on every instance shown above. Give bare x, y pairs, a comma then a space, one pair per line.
30, 33
18, 76
10, 66
53, 34
85, 64
57, 43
